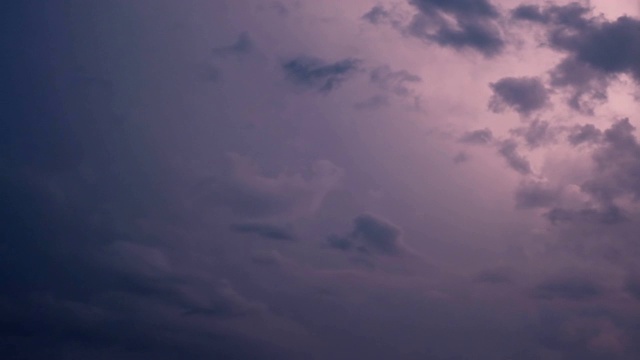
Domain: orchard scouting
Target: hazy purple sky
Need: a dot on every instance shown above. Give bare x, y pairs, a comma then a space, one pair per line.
298, 179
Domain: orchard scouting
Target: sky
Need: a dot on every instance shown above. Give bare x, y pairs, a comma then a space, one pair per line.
297, 179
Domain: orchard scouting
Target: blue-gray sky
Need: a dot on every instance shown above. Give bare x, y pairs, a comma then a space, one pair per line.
297, 179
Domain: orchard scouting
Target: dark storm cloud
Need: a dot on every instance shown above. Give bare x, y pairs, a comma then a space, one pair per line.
397, 82
530, 195
525, 95
538, 133
475, 26
596, 49
587, 85
318, 74
508, 149
581, 134
269, 231
478, 137
370, 234
571, 288
617, 162
243, 45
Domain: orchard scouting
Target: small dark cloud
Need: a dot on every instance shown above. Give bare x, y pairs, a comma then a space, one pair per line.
531, 195
396, 82
373, 103
474, 25
461, 157
478, 137
581, 134
319, 75
586, 85
377, 234
377, 15
632, 287
370, 234
571, 288
537, 133
571, 15
243, 45
268, 231
502, 275
525, 95
610, 215
508, 149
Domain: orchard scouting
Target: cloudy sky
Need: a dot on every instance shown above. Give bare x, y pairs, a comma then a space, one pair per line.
298, 179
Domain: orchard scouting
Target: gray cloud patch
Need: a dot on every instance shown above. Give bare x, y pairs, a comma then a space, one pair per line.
396, 82
370, 234
474, 25
524, 95
581, 134
576, 289
500, 275
531, 195
269, 231
538, 133
508, 149
478, 137
596, 49
318, 75
241, 46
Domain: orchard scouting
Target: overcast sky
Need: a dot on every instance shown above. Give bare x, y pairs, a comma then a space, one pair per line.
298, 179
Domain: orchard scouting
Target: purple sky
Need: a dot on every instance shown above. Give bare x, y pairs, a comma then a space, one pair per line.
297, 179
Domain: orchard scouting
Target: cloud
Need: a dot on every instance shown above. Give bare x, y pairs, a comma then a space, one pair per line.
373, 103
458, 24
268, 231
316, 74
370, 234
461, 157
508, 149
584, 134
525, 95
595, 49
377, 15
607, 215
617, 162
538, 133
478, 137
501, 275
632, 287
243, 45
572, 288
395, 82
531, 195
249, 194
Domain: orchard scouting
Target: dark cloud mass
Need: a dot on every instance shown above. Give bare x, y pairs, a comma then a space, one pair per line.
474, 25
370, 234
508, 149
576, 289
176, 184
318, 75
596, 49
524, 95
478, 137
